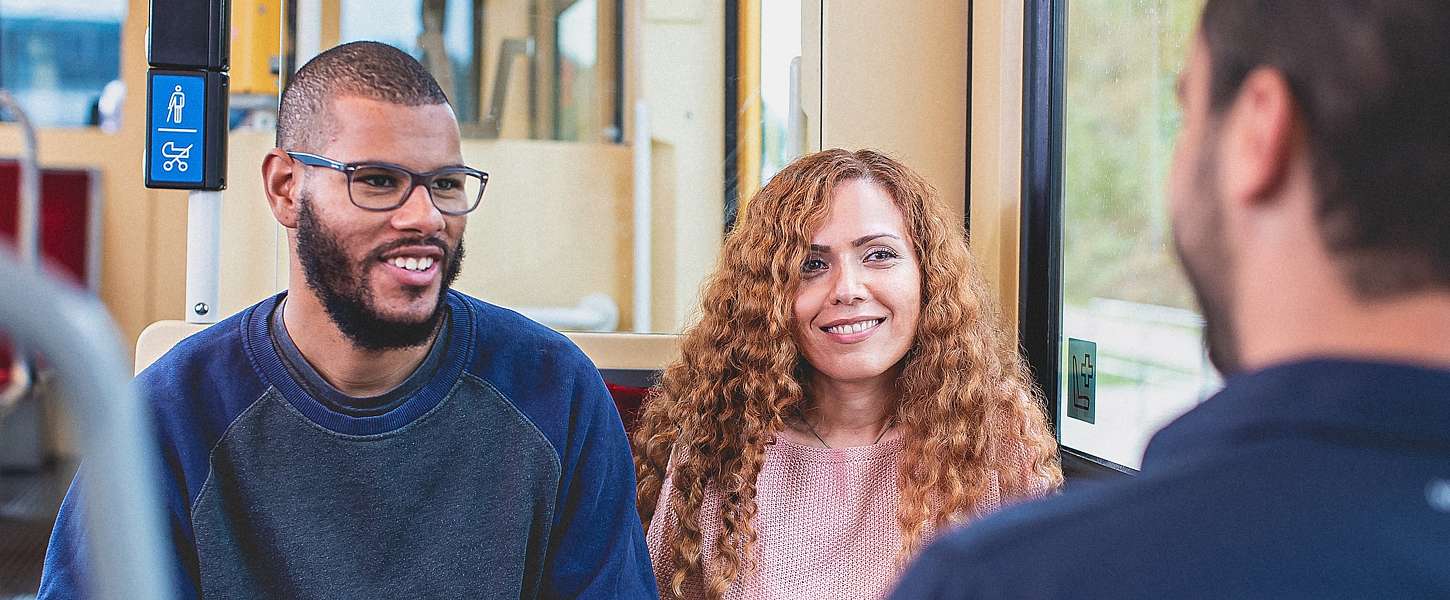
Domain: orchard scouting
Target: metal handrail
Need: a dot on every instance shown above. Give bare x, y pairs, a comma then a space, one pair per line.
508, 50
123, 513
27, 241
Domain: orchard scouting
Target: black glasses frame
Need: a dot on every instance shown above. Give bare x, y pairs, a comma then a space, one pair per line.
415, 179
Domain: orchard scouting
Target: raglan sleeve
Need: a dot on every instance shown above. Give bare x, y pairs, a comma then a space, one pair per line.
598, 546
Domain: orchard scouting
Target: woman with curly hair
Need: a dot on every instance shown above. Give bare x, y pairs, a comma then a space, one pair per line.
846, 394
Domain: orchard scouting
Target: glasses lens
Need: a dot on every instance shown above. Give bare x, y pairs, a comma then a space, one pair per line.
456, 193
379, 187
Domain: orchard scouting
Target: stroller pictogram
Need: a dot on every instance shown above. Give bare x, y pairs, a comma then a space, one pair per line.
176, 156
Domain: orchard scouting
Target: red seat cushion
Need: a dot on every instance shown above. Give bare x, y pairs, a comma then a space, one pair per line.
65, 213
627, 400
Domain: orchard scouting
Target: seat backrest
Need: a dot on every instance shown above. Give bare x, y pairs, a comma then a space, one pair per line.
69, 226
629, 361
69, 217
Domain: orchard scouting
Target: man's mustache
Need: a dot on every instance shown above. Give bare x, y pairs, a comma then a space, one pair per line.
377, 253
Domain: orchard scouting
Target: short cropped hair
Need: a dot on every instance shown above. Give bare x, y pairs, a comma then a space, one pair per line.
357, 69
1371, 81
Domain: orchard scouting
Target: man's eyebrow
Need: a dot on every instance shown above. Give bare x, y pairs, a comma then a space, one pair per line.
857, 243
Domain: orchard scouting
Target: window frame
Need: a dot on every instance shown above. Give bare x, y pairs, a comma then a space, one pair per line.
1040, 279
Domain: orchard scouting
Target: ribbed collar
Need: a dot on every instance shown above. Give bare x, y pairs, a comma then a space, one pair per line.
270, 366
1368, 402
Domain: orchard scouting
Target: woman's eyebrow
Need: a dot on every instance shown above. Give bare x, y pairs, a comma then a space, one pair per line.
857, 243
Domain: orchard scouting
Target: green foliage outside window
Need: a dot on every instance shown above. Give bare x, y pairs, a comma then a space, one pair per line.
1121, 117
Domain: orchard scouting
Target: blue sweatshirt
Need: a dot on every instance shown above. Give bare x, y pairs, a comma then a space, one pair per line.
1318, 479
500, 471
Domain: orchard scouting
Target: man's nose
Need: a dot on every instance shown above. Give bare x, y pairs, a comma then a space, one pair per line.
418, 213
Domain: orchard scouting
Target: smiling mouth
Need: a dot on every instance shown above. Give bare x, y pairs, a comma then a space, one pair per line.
850, 328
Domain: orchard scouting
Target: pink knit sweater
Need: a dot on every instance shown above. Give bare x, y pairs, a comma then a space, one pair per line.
826, 523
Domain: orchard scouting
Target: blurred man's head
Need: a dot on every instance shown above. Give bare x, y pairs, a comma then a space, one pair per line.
1341, 104
378, 255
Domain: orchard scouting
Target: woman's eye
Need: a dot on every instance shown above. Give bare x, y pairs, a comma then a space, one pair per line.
882, 254
812, 265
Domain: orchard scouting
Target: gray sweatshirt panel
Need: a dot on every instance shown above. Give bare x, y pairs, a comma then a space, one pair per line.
441, 508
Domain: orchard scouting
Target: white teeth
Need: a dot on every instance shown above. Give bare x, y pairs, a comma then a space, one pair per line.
412, 264
850, 328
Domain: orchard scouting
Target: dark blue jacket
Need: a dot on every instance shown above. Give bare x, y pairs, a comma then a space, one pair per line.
506, 474
1321, 479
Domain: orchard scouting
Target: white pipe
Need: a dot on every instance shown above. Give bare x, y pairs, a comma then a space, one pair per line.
642, 219
27, 241
596, 312
203, 255
309, 30
93, 234
27, 228
795, 119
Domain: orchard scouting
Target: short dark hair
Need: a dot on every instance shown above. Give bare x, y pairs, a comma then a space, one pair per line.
1371, 80
359, 69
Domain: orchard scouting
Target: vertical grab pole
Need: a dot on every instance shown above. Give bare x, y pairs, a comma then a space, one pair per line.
309, 31
203, 255
643, 210
27, 229
27, 241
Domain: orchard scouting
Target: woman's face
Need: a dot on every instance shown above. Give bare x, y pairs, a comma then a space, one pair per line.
860, 292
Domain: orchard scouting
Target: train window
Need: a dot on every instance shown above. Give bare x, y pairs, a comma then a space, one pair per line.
61, 60
552, 68
439, 33
768, 123
1123, 354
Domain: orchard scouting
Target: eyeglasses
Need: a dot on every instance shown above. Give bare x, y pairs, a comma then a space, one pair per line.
385, 186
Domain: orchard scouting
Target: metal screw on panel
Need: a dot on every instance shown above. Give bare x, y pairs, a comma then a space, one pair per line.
201, 308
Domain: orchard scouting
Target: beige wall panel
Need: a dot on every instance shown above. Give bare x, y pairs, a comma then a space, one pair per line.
666, 303
996, 147
250, 235
554, 224
894, 78
682, 74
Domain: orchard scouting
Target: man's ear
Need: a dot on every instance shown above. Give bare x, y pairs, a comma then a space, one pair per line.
1258, 141
281, 179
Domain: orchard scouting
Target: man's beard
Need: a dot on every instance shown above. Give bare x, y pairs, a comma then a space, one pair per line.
345, 288
1209, 267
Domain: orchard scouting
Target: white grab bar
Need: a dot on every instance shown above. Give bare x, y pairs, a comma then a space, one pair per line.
123, 513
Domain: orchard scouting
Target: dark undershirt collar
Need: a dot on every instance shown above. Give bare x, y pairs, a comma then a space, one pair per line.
315, 385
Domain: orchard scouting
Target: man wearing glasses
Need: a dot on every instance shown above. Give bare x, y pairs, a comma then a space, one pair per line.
370, 433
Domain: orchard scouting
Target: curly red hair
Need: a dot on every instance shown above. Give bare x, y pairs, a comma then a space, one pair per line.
963, 389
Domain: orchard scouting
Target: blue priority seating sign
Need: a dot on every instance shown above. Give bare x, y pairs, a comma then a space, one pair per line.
186, 130
178, 125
